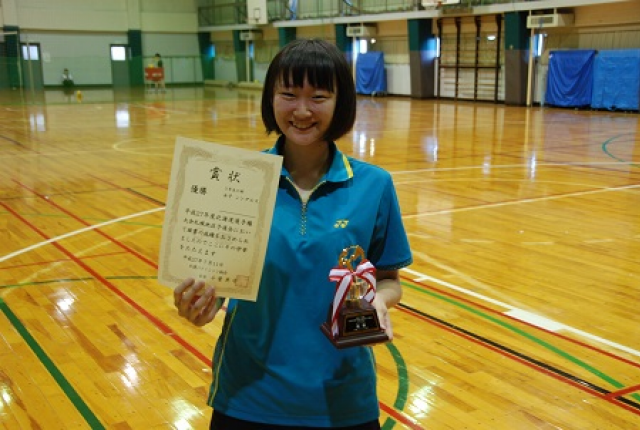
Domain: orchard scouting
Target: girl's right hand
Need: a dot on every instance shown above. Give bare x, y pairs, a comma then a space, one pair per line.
195, 301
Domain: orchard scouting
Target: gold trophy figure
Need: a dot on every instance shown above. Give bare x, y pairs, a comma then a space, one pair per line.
352, 320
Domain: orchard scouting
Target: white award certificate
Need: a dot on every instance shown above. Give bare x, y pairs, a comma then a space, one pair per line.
218, 217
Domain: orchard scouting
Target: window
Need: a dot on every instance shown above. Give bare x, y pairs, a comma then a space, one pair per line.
363, 46
538, 44
118, 53
30, 52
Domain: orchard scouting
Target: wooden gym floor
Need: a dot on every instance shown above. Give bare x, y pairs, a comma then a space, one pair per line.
521, 310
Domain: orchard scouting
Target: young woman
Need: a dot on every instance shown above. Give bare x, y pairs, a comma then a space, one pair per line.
273, 367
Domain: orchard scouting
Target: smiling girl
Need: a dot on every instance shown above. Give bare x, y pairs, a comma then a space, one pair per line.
272, 366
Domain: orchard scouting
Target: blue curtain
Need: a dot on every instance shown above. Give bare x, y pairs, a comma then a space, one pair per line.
370, 74
616, 80
570, 78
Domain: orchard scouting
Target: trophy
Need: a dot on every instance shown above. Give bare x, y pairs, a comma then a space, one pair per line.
352, 320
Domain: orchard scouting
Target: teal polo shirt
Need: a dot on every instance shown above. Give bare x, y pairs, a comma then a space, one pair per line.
272, 364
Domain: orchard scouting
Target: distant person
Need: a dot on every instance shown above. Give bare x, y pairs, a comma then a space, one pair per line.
160, 65
67, 84
67, 79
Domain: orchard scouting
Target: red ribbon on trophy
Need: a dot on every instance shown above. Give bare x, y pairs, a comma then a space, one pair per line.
345, 278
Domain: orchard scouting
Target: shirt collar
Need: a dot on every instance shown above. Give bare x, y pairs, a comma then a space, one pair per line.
339, 170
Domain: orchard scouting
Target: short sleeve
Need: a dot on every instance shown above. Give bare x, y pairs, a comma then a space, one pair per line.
389, 248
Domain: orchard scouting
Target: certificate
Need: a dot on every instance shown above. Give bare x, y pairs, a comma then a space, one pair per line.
218, 217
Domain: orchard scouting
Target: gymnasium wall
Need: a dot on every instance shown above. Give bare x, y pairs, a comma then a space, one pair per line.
266, 49
77, 34
180, 53
392, 39
86, 55
607, 26
224, 62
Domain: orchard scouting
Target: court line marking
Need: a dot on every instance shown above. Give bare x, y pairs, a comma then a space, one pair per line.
85, 251
511, 166
419, 276
76, 232
142, 150
517, 202
164, 328
151, 107
494, 179
522, 315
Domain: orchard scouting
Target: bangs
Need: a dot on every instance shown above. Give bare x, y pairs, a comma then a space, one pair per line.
325, 68
308, 63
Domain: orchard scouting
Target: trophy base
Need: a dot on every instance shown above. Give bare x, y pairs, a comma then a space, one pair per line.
370, 338
357, 325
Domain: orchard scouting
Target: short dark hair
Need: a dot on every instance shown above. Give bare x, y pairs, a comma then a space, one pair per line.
325, 67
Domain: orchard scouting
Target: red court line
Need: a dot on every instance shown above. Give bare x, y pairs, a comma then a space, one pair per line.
83, 222
128, 190
624, 391
406, 420
164, 328
509, 317
560, 378
133, 175
42, 263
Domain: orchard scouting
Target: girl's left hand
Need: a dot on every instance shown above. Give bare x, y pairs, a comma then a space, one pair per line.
383, 316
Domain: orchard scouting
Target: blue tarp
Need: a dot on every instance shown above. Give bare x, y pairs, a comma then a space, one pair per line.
570, 78
616, 80
370, 74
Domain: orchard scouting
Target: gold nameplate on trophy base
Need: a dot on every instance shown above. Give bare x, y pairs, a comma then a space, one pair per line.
357, 324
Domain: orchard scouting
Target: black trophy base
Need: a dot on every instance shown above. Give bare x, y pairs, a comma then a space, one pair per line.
357, 325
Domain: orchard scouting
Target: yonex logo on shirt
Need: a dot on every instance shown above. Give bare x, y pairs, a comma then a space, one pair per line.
341, 223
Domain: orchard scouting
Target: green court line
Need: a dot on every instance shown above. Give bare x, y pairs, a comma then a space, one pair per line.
57, 375
99, 220
403, 384
49, 281
605, 149
524, 334
389, 423
52, 281
403, 375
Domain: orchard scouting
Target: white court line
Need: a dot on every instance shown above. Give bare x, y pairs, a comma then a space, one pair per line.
419, 276
510, 166
424, 277
85, 251
517, 202
159, 109
494, 179
476, 241
74, 233
523, 315
598, 241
